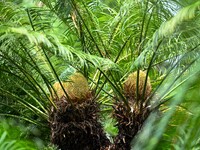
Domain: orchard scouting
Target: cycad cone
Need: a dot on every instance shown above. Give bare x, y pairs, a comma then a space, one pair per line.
76, 87
130, 86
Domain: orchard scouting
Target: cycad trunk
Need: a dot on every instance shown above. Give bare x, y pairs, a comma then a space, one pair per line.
129, 123
76, 127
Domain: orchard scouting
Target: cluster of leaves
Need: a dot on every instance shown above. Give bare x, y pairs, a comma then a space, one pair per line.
15, 136
45, 41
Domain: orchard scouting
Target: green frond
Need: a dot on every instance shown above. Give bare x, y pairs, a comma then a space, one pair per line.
16, 136
161, 126
184, 14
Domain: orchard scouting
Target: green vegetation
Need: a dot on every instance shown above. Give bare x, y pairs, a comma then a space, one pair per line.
45, 42
15, 136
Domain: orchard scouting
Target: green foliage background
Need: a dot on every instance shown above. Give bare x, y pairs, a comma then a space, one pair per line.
42, 42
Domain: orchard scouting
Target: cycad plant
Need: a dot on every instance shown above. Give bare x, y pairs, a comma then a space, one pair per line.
74, 122
65, 64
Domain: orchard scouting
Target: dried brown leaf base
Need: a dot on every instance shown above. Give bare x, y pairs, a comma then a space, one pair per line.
129, 123
76, 127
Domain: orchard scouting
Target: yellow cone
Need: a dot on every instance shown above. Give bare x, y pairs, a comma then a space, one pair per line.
130, 85
76, 87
